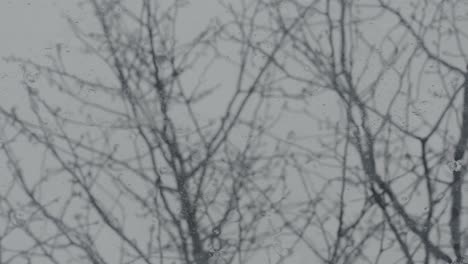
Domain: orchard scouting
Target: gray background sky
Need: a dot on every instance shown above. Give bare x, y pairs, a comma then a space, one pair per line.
31, 29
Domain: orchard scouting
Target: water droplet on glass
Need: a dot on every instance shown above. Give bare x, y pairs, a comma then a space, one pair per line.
216, 231
454, 165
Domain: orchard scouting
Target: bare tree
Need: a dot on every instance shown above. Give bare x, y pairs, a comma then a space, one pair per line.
131, 172
362, 105
390, 162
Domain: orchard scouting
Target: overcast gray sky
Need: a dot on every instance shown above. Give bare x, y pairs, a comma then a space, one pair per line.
32, 29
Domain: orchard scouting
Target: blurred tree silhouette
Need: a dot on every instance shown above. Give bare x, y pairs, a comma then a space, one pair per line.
344, 127
138, 171
396, 70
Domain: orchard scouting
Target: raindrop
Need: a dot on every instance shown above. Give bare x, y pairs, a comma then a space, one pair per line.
216, 231
454, 165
